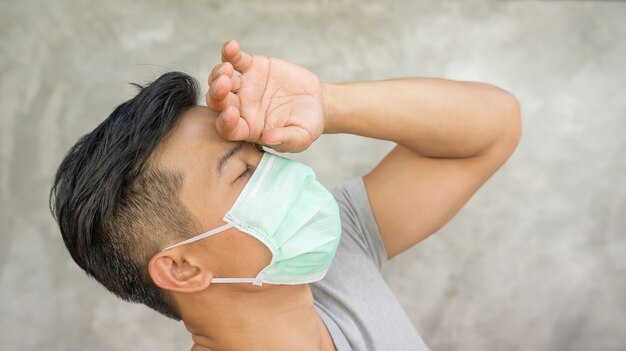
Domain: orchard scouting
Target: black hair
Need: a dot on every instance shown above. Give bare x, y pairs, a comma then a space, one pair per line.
114, 208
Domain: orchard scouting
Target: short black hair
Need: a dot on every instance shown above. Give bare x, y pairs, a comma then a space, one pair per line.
114, 208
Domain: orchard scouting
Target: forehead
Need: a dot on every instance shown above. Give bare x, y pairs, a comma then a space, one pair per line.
193, 140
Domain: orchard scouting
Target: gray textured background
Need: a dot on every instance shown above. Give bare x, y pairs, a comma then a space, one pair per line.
535, 260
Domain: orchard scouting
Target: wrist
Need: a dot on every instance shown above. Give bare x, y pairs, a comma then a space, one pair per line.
328, 95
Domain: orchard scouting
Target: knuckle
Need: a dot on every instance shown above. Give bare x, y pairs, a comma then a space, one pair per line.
211, 104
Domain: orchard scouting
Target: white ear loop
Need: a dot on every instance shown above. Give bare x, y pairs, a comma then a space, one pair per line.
254, 281
202, 236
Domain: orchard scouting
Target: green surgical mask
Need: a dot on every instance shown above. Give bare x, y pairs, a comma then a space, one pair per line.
294, 215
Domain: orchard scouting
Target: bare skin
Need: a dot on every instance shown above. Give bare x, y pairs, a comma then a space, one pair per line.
227, 316
451, 137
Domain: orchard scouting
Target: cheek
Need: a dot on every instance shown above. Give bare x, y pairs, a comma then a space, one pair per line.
242, 254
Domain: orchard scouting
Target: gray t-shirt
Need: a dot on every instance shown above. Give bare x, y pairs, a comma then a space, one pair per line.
353, 300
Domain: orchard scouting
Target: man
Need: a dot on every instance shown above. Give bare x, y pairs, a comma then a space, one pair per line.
132, 196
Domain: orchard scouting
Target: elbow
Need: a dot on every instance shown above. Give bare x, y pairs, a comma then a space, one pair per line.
514, 120
511, 117
506, 110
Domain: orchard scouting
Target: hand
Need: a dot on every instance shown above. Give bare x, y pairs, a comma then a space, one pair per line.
273, 102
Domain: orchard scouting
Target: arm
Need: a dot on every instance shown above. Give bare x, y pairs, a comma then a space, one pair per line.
452, 136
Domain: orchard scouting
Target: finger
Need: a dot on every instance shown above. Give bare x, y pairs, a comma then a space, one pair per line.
220, 105
236, 84
287, 139
231, 52
220, 88
219, 95
221, 68
231, 126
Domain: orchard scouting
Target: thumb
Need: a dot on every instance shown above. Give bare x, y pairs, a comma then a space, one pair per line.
287, 139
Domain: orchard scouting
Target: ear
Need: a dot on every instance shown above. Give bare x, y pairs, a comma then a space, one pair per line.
171, 270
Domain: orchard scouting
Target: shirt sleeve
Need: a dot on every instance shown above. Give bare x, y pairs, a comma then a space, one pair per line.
357, 221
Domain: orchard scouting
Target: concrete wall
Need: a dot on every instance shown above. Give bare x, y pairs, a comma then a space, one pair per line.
535, 260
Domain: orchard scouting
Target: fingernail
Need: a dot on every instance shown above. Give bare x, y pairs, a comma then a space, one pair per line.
275, 144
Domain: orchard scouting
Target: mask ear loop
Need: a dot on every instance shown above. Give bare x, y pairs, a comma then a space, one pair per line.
254, 281
202, 236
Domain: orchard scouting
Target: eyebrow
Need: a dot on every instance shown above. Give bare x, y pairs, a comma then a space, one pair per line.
227, 155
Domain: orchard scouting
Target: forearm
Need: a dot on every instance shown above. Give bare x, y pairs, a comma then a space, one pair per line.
433, 117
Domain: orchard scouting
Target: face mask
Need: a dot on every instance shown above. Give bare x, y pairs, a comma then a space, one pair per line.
289, 211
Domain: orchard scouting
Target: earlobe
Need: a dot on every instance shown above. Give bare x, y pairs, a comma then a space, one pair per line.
169, 270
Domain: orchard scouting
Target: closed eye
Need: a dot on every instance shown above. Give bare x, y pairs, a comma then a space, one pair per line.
249, 170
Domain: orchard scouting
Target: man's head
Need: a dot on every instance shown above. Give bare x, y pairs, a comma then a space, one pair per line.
154, 173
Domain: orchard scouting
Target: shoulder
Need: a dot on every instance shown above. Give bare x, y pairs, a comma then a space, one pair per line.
359, 229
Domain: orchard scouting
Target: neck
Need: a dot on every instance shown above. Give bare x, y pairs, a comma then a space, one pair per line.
269, 317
